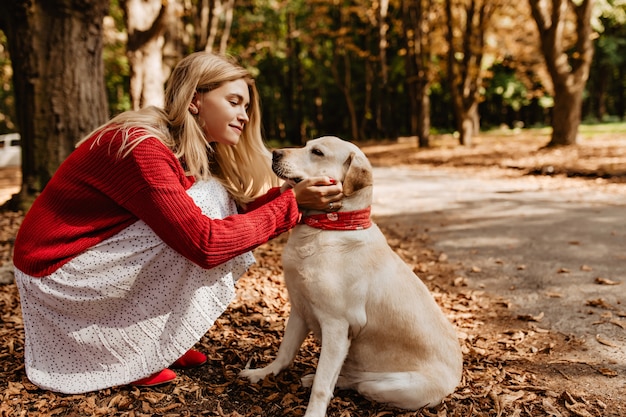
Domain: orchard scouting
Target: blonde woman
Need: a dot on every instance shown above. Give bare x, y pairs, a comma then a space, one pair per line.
131, 251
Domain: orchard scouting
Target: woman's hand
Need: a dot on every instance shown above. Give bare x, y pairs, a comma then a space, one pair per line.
319, 193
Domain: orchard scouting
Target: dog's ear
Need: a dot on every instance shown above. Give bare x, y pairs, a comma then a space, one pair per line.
358, 173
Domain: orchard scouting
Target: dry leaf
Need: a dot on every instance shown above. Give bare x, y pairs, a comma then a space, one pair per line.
605, 281
460, 282
605, 342
549, 408
153, 397
578, 409
554, 294
529, 317
607, 372
600, 303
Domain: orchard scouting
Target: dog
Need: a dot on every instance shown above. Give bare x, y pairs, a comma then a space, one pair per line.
382, 333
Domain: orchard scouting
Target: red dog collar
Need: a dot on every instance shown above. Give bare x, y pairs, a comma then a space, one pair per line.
342, 220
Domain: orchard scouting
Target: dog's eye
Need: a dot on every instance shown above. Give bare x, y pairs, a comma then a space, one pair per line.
317, 152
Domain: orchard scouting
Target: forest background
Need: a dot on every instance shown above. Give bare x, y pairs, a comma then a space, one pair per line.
362, 70
372, 72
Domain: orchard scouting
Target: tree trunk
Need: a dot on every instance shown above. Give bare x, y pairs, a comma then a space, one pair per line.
344, 83
423, 121
146, 21
384, 121
468, 124
568, 68
566, 116
417, 68
58, 75
601, 95
467, 26
209, 15
293, 87
621, 96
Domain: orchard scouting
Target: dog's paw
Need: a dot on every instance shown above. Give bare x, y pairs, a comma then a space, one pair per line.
254, 375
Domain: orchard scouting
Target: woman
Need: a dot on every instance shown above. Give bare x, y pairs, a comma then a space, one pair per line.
131, 251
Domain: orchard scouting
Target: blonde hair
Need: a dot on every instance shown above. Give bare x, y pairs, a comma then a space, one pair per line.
244, 169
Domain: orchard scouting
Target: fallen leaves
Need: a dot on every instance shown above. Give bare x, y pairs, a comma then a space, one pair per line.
530, 317
509, 367
600, 303
602, 340
606, 281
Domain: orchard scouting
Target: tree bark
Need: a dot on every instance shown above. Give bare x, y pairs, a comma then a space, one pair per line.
344, 83
295, 129
56, 53
471, 20
384, 112
146, 22
210, 34
423, 120
417, 67
568, 66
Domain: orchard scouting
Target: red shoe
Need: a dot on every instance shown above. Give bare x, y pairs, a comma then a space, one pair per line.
191, 359
159, 378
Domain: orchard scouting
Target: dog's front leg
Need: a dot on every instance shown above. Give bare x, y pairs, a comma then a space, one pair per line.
335, 345
295, 333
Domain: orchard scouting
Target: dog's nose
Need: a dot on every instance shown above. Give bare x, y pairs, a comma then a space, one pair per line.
277, 155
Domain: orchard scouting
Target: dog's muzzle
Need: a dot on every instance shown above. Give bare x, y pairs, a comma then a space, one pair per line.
279, 169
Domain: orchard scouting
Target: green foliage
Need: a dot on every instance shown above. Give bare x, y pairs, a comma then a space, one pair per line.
318, 69
116, 65
505, 89
117, 80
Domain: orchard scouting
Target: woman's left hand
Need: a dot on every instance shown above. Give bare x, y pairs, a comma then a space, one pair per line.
319, 193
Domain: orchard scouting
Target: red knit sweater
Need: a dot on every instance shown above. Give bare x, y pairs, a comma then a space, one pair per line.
95, 194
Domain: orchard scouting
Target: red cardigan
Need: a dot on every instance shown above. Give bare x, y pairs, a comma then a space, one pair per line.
95, 194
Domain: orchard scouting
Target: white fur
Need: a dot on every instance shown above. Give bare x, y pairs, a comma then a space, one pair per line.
381, 331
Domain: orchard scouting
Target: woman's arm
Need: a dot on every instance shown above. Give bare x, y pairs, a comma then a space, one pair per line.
151, 185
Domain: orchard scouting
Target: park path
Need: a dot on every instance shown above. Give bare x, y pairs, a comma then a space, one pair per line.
555, 248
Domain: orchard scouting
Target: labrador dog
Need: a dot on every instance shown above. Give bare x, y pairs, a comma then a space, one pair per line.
381, 331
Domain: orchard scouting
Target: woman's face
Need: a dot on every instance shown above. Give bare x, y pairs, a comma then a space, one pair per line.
223, 111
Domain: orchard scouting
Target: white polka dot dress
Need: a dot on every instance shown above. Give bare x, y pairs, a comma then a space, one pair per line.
126, 308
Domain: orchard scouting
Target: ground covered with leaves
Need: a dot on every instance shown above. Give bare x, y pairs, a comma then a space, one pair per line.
512, 367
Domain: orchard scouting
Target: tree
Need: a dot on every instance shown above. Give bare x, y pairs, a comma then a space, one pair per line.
468, 22
418, 20
58, 77
568, 58
146, 23
214, 15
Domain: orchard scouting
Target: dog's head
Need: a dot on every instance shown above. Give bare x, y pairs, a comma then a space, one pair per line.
328, 155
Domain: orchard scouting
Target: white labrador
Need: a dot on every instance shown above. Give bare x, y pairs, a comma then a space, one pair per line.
381, 331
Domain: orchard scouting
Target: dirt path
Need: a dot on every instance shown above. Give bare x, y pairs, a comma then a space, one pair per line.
553, 251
